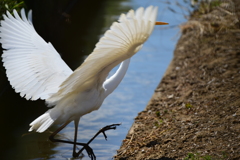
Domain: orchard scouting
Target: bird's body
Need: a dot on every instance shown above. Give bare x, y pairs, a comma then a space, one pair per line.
36, 70
69, 109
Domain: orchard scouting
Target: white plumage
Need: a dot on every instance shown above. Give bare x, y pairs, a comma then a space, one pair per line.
33, 67
36, 70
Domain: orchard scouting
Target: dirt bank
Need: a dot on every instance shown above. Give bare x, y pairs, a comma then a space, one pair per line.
195, 110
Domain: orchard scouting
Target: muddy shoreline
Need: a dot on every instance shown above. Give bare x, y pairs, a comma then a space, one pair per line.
195, 110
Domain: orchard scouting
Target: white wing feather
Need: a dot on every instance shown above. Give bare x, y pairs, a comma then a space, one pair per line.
33, 67
119, 43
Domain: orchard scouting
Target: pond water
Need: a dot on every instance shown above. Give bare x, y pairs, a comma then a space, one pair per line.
133, 94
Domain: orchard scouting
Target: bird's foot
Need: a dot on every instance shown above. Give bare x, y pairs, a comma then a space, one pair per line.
86, 146
88, 149
106, 128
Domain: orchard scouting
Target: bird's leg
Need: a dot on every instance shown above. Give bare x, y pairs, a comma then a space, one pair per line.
75, 154
102, 130
85, 145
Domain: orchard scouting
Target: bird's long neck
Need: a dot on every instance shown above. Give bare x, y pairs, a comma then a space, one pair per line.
111, 83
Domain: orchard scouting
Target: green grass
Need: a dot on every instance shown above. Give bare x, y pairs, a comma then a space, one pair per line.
188, 105
10, 5
207, 7
158, 114
196, 156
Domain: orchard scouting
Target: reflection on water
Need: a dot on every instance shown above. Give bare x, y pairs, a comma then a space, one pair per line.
78, 40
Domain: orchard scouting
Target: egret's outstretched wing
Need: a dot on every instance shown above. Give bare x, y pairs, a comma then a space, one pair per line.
121, 42
33, 67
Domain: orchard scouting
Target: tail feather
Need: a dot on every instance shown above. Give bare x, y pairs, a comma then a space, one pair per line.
42, 123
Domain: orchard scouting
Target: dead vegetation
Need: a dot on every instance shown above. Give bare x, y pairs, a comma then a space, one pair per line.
195, 110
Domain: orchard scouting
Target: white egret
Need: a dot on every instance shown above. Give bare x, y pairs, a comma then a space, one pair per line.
36, 70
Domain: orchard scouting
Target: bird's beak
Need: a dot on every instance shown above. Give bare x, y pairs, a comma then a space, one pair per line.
161, 23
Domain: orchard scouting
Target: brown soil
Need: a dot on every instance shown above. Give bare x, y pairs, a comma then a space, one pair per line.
195, 110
